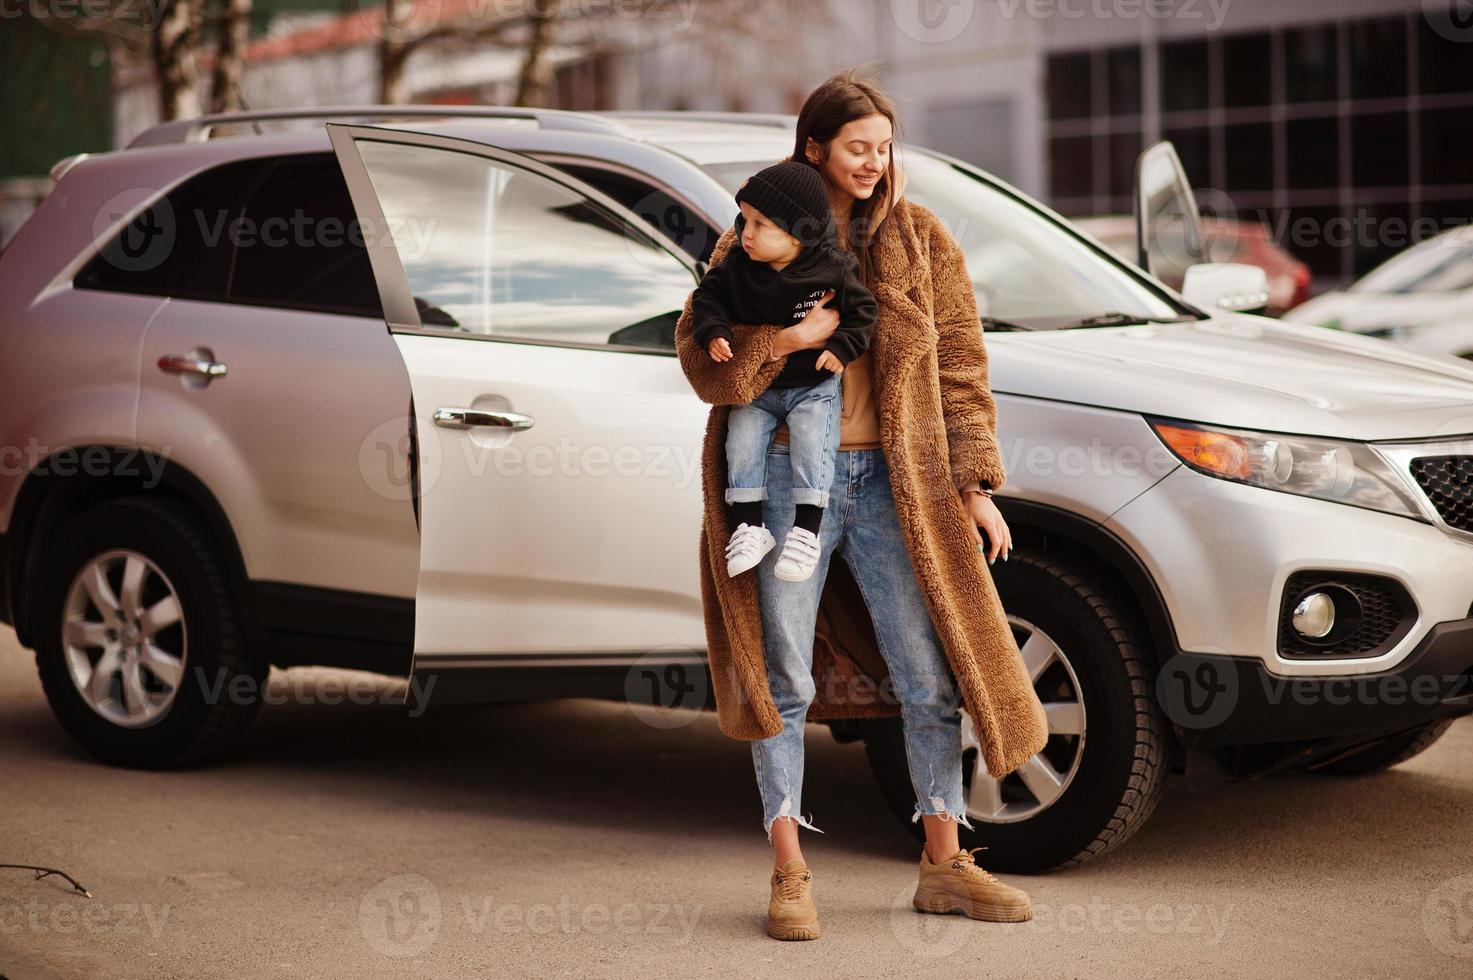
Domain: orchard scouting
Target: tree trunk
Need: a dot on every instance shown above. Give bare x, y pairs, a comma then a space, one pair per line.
536, 75
234, 27
393, 51
175, 58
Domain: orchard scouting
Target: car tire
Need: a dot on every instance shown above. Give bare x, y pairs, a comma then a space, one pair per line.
1116, 766
179, 582
1388, 752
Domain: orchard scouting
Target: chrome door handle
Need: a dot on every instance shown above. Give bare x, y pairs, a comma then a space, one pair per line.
184, 364
465, 418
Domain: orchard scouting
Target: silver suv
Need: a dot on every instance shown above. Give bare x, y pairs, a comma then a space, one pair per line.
394, 388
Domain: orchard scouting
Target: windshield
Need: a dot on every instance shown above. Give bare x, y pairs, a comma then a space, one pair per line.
1025, 269
1440, 264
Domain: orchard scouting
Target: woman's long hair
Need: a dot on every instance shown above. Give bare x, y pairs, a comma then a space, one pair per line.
840, 99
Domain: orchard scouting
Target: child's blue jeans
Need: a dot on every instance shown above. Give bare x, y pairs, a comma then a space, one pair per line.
812, 414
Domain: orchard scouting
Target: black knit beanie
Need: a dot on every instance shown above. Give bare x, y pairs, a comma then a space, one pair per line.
793, 197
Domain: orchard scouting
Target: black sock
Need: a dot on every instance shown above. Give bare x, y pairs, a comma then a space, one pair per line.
809, 517
746, 512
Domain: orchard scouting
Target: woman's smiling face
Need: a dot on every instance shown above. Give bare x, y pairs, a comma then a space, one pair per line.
859, 154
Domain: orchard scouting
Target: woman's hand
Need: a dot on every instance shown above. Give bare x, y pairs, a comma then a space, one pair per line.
812, 331
983, 511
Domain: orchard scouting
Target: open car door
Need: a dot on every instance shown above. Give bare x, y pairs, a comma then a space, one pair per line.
558, 441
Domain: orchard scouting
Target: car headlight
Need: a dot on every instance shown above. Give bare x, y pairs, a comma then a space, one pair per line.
1330, 469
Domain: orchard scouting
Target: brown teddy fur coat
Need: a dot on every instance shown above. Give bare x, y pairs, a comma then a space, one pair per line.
938, 432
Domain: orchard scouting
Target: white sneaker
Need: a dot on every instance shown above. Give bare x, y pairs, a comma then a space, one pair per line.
747, 546
799, 556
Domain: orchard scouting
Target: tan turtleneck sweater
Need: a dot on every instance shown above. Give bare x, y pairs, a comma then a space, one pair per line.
859, 419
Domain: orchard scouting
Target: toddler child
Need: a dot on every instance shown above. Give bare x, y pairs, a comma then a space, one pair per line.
788, 261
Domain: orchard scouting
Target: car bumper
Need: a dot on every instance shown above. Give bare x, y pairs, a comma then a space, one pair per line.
1218, 700
1222, 553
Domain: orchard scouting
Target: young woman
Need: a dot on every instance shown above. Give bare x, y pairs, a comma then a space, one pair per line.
912, 485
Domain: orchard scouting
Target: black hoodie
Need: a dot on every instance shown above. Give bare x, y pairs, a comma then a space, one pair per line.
739, 290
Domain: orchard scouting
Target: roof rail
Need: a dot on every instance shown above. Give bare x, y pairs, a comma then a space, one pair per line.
198, 129
749, 118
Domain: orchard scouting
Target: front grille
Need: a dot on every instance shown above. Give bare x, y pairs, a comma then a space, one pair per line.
1372, 614
1448, 483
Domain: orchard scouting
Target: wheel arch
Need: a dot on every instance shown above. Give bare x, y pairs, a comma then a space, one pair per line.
48, 500
1053, 530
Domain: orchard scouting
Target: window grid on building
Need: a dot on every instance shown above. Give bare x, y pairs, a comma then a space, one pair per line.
1349, 139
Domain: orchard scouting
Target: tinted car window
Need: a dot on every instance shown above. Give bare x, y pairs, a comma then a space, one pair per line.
661, 210
298, 243
267, 232
176, 247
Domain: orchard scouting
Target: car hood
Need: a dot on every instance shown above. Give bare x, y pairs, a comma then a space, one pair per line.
1246, 372
1375, 311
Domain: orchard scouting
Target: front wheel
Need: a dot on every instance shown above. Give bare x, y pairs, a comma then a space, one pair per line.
137, 642
1104, 767
1390, 751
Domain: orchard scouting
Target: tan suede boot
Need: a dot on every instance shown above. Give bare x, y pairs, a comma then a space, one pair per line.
791, 913
958, 884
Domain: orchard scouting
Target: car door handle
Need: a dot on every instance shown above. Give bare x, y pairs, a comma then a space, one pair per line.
465, 418
184, 364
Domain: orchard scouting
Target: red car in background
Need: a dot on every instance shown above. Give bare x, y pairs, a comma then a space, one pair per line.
1248, 242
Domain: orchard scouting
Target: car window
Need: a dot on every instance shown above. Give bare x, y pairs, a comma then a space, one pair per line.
1024, 268
275, 231
495, 250
662, 211
1440, 264
176, 246
298, 242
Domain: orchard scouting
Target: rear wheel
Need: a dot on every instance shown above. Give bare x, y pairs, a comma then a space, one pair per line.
138, 646
1390, 751
1103, 769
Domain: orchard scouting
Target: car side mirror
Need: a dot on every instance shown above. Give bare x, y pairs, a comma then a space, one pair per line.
1226, 286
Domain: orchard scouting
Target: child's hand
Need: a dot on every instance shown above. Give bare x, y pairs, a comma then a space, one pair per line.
719, 349
829, 361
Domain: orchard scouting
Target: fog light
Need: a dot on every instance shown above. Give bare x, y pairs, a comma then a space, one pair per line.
1314, 616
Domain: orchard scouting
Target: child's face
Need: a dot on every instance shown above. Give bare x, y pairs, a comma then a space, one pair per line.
765, 241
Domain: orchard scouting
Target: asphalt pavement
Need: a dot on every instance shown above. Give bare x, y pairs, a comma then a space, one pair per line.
590, 839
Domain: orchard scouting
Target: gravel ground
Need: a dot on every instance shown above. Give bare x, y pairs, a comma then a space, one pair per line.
578, 839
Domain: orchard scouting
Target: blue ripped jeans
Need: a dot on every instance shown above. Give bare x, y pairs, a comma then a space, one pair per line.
862, 524
813, 415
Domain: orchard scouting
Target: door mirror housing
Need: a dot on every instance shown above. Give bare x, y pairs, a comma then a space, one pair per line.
1168, 228
1226, 286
